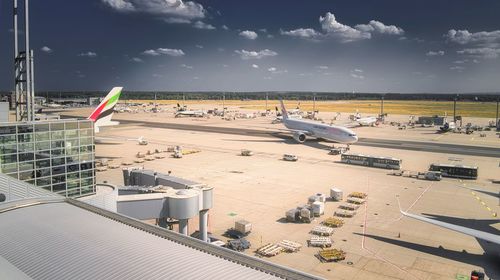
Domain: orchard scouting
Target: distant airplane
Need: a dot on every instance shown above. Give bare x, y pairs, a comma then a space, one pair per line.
183, 112
448, 126
302, 129
104, 112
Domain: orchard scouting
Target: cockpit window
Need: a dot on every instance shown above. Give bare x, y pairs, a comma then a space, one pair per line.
352, 134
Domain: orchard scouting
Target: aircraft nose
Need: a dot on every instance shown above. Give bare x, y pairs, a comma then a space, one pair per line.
354, 139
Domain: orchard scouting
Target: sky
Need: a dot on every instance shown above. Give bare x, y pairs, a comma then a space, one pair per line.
442, 46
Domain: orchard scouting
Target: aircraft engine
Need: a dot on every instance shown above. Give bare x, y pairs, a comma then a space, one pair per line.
299, 137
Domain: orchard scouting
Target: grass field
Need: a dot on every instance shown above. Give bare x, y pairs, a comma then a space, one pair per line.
466, 109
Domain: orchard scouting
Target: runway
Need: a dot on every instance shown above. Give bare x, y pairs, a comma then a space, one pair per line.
372, 142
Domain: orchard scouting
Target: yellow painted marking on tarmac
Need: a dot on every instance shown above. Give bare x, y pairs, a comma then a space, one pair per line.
437, 138
494, 214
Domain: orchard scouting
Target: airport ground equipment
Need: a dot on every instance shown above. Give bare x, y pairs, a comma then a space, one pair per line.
159, 156
358, 195
349, 206
101, 168
177, 152
338, 150
239, 245
428, 175
306, 215
355, 200
139, 160
477, 275
140, 155
344, 213
289, 246
320, 241
290, 157
113, 165
322, 230
371, 161
455, 170
246, 153
243, 226
331, 255
336, 194
333, 222
269, 250
127, 163
149, 158
293, 215
318, 208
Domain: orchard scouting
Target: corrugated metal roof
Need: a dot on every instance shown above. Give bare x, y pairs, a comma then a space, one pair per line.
15, 189
59, 240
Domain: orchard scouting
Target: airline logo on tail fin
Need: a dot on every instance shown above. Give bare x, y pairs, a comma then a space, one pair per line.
103, 113
283, 110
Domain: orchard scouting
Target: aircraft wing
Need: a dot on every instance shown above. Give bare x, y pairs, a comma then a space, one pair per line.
469, 231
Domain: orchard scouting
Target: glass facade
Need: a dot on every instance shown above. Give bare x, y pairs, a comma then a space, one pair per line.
55, 155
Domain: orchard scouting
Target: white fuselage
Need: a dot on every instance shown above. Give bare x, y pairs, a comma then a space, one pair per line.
366, 121
318, 130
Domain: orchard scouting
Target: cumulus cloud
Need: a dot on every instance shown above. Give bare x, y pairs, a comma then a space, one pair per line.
165, 51
46, 49
358, 70
244, 54
272, 69
465, 37
481, 52
306, 33
201, 25
88, 54
186, 66
199, 46
176, 11
322, 67
435, 53
136, 59
332, 28
224, 27
379, 27
255, 66
251, 35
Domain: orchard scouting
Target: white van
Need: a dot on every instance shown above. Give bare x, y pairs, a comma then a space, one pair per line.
289, 157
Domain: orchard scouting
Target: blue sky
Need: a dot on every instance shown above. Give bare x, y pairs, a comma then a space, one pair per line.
314, 45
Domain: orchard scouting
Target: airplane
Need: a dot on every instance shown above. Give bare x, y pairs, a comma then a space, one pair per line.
302, 129
366, 121
486, 236
183, 112
448, 126
102, 115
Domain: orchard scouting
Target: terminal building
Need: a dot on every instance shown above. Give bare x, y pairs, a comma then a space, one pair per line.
56, 155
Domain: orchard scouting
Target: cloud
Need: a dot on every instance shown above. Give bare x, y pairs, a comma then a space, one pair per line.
460, 61
481, 52
155, 75
199, 46
186, 66
275, 70
344, 32
379, 27
165, 51
322, 67
435, 53
136, 59
255, 66
263, 30
244, 54
251, 35
457, 68
46, 49
465, 37
356, 74
305, 33
88, 54
331, 28
201, 25
224, 27
174, 11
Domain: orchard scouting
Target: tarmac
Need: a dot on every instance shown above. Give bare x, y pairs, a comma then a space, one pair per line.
380, 243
